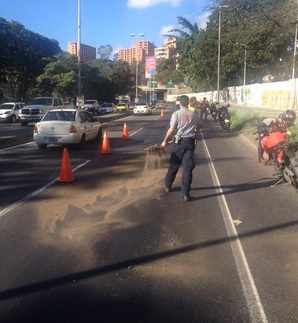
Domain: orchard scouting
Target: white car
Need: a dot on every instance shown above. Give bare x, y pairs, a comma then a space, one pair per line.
107, 108
142, 107
9, 111
91, 106
66, 126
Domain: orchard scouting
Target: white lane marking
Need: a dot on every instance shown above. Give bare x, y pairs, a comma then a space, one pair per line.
251, 295
31, 195
13, 147
136, 131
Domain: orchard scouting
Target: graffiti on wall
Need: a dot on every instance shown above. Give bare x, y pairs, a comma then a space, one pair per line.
273, 94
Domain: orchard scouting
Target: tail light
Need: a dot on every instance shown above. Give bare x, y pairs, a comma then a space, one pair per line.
35, 130
72, 129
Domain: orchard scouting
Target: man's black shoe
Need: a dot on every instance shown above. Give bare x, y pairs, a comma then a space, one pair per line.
186, 198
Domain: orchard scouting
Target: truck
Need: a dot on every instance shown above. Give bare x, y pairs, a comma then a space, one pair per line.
91, 106
34, 110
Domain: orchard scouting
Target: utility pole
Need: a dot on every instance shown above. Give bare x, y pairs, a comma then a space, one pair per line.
218, 51
79, 50
137, 61
293, 96
244, 74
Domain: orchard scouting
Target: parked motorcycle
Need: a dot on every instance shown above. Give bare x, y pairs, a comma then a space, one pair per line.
224, 117
213, 111
285, 156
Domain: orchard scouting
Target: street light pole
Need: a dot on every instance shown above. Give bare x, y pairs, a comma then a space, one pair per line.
244, 75
218, 51
79, 48
293, 99
137, 61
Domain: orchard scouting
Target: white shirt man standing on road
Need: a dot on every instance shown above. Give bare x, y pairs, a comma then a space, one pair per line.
185, 124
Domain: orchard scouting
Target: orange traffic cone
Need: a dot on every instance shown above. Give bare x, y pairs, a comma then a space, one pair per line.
65, 170
125, 134
105, 147
161, 112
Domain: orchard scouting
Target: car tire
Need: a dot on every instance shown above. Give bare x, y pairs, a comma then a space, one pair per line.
82, 144
99, 135
13, 119
42, 146
24, 123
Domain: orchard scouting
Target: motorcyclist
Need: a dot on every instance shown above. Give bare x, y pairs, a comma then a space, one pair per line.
193, 104
203, 106
288, 118
271, 124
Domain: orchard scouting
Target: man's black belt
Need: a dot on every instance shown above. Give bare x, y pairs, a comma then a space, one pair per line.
188, 139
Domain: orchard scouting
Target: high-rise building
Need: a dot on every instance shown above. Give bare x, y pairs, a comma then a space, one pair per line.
138, 53
170, 42
166, 51
88, 53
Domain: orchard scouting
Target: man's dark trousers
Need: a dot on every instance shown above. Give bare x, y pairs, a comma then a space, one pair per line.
182, 153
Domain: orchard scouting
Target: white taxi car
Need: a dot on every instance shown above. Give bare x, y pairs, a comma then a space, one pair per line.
66, 126
142, 108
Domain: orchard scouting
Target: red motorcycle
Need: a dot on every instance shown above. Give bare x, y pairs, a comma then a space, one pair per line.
285, 156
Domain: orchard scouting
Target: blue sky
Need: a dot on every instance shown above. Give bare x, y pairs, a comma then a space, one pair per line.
104, 22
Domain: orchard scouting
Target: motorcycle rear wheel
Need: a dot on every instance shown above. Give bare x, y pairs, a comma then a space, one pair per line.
225, 126
292, 180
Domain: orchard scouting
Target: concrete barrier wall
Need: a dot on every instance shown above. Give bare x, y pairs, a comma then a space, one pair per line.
280, 95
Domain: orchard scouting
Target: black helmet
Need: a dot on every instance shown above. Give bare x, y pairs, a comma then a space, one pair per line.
289, 117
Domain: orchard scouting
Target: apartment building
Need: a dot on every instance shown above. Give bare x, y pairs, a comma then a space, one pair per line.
88, 53
138, 53
166, 51
170, 42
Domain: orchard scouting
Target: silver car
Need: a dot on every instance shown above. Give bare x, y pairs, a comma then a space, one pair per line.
107, 108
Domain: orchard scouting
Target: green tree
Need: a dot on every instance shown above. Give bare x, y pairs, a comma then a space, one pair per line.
59, 78
23, 56
114, 78
187, 40
262, 29
105, 52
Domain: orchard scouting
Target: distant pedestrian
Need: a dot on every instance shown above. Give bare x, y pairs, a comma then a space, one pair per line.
185, 124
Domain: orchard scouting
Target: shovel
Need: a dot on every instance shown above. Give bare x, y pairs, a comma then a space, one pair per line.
156, 148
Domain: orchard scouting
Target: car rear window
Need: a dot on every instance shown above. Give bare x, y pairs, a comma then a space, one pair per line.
41, 101
59, 115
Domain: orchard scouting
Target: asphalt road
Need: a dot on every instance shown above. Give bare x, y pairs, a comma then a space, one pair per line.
112, 246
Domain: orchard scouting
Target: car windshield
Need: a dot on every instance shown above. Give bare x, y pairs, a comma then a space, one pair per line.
89, 102
105, 105
6, 106
60, 115
40, 101
141, 103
